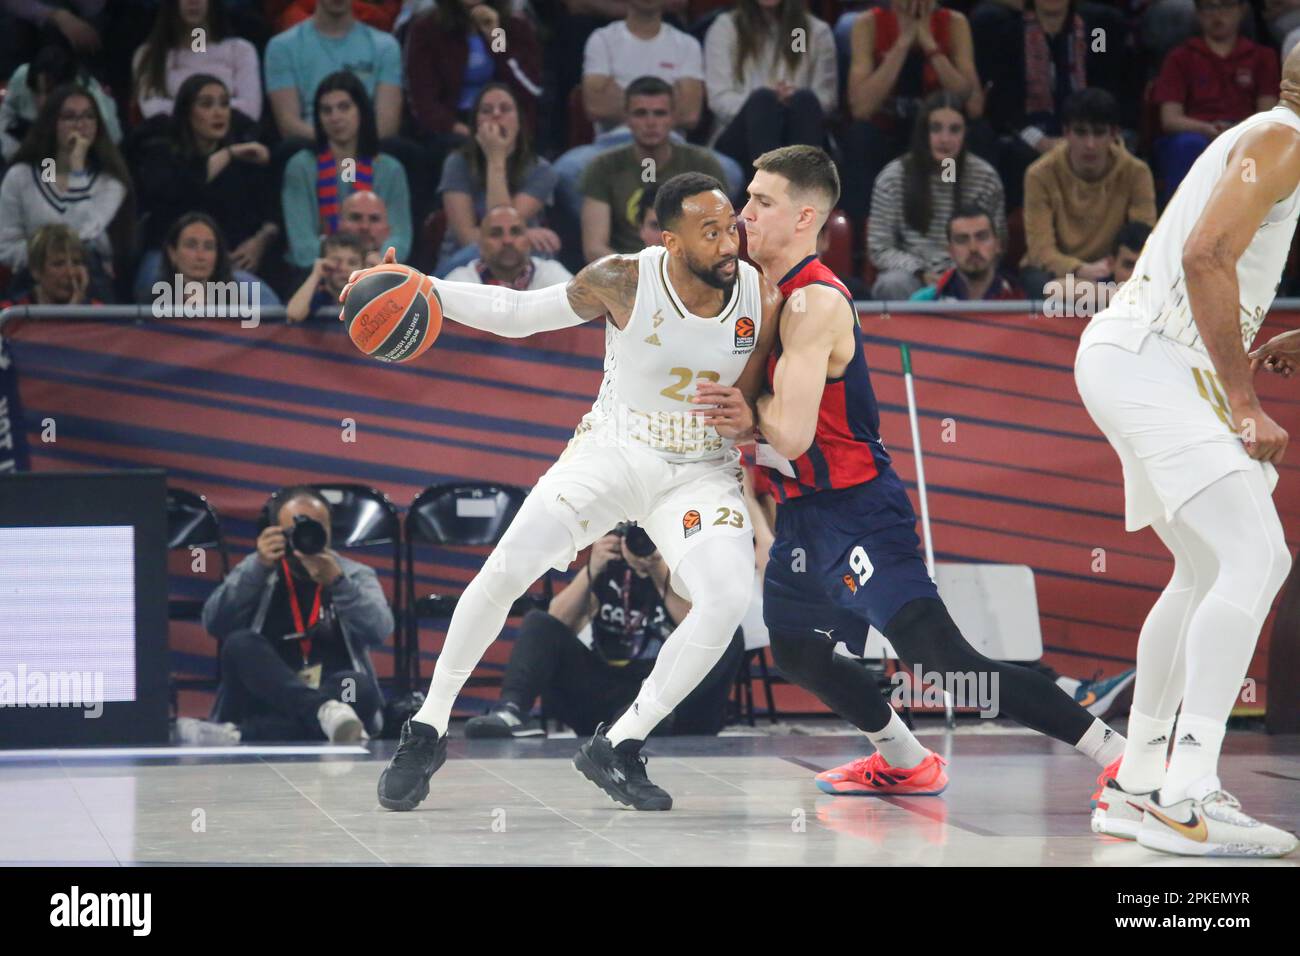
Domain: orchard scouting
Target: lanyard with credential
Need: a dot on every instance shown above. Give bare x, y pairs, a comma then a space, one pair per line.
297, 610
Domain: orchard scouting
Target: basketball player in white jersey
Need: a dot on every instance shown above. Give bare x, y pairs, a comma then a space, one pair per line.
1165, 374
675, 314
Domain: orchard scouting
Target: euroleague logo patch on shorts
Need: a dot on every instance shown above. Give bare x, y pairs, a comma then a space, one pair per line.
744, 332
851, 583
691, 523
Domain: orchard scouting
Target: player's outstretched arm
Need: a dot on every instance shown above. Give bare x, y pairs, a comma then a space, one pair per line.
788, 416
516, 314
1263, 168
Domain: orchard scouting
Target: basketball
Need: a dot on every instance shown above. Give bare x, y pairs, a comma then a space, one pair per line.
393, 313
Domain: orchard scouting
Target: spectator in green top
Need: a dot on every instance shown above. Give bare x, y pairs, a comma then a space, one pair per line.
614, 181
346, 158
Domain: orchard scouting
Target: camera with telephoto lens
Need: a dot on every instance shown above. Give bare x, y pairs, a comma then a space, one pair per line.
307, 536
638, 542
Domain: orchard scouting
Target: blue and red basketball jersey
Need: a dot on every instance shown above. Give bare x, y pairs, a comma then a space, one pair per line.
846, 448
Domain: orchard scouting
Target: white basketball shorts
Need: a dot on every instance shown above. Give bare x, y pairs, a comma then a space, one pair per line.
1162, 408
595, 485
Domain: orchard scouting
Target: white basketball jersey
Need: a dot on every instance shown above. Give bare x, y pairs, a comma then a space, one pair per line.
1155, 298
652, 364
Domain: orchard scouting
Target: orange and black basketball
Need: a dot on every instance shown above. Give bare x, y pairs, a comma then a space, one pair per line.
393, 313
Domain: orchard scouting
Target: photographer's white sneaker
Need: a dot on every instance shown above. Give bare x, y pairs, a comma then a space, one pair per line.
341, 723
203, 733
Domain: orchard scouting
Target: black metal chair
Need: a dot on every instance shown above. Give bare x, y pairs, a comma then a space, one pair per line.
361, 517
744, 699
192, 522
458, 515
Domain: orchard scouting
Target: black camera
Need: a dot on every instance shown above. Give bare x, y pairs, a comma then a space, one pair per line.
638, 542
307, 536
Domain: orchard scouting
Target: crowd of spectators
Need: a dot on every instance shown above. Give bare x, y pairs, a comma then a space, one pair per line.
513, 141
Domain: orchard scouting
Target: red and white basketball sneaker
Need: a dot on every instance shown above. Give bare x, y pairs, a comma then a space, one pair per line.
871, 776
1115, 811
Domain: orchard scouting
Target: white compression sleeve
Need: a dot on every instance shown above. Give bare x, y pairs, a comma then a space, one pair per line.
507, 312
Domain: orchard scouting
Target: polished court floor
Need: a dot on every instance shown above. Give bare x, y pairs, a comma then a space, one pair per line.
1015, 799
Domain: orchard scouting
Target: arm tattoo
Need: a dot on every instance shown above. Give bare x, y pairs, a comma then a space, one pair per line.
606, 284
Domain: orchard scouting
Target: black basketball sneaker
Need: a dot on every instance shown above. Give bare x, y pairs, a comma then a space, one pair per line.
405, 781
620, 772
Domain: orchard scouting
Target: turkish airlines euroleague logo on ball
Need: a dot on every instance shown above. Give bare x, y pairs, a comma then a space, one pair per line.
744, 332
691, 523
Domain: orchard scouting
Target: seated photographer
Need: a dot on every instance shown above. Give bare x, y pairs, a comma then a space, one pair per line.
587, 655
296, 620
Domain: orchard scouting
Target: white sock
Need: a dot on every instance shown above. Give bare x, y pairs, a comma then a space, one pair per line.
896, 743
1143, 769
1197, 742
1101, 744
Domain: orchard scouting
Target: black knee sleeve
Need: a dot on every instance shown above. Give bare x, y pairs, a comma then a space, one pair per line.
809, 660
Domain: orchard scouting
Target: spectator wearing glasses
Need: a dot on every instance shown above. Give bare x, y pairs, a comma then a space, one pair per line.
1208, 84
1079, 195
31, 82
68, 171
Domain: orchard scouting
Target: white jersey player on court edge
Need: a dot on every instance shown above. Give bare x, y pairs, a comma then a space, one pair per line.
1165, 373
676, 314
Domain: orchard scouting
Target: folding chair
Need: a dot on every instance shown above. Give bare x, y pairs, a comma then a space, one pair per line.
192, 522
458, 515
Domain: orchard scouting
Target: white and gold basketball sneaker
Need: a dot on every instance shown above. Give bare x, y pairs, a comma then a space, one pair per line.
1211, 825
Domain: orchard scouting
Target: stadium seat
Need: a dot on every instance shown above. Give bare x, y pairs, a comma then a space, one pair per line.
192, 522
839, 252
429, 242
580, 130
465, 514
868, 267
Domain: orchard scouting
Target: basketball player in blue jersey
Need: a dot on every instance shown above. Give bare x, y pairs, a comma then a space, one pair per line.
674, 315
846, 551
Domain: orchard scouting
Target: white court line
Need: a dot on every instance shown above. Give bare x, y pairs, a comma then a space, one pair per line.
328, 815
119, 753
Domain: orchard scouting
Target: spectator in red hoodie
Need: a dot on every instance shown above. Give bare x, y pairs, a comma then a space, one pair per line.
1208, 84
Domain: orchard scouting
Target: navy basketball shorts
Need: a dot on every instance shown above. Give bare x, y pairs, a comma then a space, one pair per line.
845, 559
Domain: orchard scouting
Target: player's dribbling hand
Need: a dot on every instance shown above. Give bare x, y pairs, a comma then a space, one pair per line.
1269, 438
390, 256
726, 409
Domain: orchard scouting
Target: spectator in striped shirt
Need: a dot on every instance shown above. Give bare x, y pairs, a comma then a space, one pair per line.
915, 196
